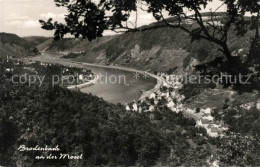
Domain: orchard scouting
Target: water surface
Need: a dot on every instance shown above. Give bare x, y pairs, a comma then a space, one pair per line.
115, 85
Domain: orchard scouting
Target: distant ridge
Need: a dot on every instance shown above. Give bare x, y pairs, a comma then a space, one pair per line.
157, 49
36, 40
13, 45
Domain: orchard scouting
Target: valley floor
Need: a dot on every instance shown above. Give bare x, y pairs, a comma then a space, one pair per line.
174, 99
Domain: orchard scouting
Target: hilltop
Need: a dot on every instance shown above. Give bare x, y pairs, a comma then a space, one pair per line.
36, 40
13, 45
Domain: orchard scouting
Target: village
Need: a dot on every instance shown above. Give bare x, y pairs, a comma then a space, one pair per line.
27, 72
169, 95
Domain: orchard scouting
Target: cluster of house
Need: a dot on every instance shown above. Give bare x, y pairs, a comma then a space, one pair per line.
67, 72
250, 105
205, 120
5, 64
45, 64
9, 64
82, 75
168, 95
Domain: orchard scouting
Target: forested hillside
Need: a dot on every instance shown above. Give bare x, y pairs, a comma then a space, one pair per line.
36, 40
12, 45
105, 134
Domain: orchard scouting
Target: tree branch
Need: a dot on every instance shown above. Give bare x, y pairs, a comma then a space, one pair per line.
256, 37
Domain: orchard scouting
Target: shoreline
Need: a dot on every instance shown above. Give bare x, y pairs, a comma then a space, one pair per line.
86, 84
146, 93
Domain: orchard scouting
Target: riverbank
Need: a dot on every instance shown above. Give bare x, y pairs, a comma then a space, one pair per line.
115, 93
84, 85
145, 94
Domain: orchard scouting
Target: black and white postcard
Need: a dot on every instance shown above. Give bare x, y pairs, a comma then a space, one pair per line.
124, 83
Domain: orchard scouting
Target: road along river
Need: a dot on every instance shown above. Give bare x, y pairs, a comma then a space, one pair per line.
115, 84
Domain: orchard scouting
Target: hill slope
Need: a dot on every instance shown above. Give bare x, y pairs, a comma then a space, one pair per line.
156, 49
36, 40
13, 45
141, 50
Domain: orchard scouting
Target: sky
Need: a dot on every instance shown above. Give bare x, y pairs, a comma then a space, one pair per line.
22, 17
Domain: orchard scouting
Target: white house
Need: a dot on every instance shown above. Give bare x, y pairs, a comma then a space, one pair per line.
171, 104
247, 106
164, 95
151, 108
173, 94
203, 123
182, 97
156, 101
174, 109
169, 99
135, 108
214, 132
179, 99
127, 108
258, 104
179, 108
210, 118
152, 96
206, 111
215, 163
199, 123
91, 76
178, 85
81, 77
167, 95
140, 109
224, 127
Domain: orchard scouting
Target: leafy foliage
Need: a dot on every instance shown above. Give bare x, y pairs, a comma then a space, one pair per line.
240, 147
239, 150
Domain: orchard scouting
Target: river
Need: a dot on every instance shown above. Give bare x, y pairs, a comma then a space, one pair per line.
114, 85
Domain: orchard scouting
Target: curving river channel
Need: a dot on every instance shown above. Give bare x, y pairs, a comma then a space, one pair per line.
114, 85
